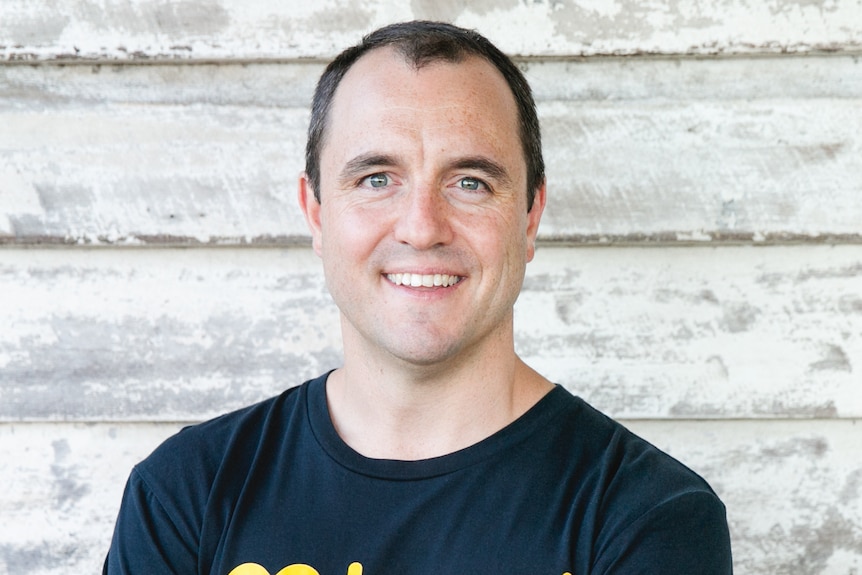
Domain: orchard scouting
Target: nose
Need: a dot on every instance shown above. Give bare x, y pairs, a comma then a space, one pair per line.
423, 218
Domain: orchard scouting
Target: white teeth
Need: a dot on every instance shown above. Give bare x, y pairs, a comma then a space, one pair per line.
423, 280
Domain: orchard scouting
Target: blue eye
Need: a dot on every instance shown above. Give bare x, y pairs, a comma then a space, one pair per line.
377, 180
471, 184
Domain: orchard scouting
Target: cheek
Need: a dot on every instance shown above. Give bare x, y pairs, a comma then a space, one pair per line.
501, 245
348, 235
519, 251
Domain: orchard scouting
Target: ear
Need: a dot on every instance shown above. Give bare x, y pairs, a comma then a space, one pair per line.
534, 216
311, 210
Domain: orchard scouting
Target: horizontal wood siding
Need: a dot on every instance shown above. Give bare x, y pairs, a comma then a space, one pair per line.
699, 273
178, 335
191, 155
273, 29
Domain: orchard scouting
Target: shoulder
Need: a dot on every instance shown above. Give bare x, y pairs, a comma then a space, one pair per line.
623, 460
648, 508
185, 465
183, 493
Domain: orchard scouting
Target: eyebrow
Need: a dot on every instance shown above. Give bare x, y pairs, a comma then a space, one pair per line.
360, 164
493, 169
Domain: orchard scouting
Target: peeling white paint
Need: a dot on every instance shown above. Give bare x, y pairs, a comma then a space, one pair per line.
643, 333
626, 161
267, 29
699, 332
17, 196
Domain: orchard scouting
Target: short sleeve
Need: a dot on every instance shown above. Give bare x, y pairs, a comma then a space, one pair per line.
147, 540
684, 535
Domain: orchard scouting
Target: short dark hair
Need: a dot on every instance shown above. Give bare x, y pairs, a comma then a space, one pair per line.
421, 43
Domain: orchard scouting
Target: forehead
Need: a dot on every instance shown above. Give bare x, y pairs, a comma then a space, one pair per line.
384, 95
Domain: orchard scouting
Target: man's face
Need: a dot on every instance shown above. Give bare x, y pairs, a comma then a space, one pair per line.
423, 225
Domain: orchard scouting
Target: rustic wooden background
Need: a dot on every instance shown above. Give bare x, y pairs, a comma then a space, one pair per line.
699, 276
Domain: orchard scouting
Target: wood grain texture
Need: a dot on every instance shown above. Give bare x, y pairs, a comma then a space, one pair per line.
178, 335
739, 332
62, 489
760, 150
158, 334
269, 29
792, 492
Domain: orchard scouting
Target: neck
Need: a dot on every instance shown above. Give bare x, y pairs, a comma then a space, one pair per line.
395, 410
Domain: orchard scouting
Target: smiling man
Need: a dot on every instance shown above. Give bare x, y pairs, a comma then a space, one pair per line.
434, 448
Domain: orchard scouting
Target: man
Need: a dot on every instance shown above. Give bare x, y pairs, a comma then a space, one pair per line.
434, 448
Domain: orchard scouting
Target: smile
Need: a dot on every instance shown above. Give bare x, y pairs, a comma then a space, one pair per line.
423, 280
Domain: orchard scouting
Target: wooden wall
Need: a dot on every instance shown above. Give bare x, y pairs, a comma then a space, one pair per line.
699, 275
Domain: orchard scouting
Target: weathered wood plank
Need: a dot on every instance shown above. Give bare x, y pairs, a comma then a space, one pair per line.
62, 489
715, 332
699, 172
732, 332
754, 150
103, 160
154, 334
268, 29
792, 489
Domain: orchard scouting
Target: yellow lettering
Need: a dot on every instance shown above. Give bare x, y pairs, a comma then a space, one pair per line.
297, 569
249, 569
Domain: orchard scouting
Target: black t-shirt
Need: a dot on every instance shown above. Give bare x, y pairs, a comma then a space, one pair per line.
273, 489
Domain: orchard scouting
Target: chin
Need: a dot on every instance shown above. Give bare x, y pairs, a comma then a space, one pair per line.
425, 356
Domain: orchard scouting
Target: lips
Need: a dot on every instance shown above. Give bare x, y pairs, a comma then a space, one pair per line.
423, 280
